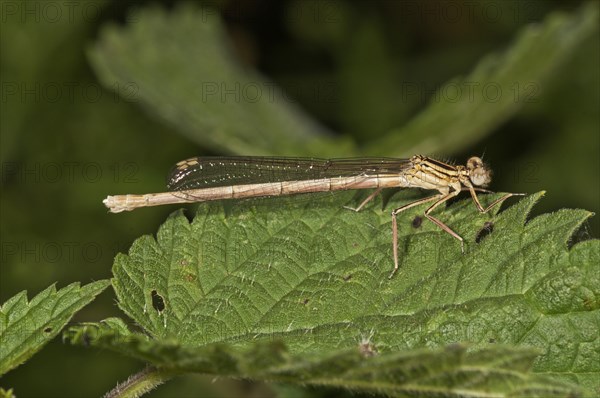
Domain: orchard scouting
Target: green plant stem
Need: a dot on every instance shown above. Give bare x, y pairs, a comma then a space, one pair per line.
142, 382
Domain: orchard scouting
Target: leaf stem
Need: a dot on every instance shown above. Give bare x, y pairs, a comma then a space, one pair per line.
142, 382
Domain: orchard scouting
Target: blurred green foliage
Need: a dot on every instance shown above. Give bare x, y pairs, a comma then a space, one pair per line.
70, 135
494, 370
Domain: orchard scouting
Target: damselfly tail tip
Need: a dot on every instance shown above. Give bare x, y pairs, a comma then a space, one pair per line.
113, 205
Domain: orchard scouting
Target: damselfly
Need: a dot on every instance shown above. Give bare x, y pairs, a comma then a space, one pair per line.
203, 179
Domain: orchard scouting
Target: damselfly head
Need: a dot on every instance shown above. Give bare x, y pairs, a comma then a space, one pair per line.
479, 174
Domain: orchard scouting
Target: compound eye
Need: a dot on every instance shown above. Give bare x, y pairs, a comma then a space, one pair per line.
481, 179
479, 174
474, 163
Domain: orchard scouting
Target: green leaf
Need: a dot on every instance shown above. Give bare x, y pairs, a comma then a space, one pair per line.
183, 68
182, 65
25, 327
493, 370
6, 393
467, 108
315, 275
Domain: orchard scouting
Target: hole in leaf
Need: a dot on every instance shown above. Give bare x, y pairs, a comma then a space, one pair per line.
488, 228
417, 221
158, 303
48, 330
305, 301
347, 277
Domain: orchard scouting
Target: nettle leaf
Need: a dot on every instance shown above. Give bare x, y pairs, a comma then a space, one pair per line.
467, 108
6, 393
314, 275
181, 66
497, 369
25, 327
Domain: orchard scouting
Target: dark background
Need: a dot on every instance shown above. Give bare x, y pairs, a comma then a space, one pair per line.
62, 155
